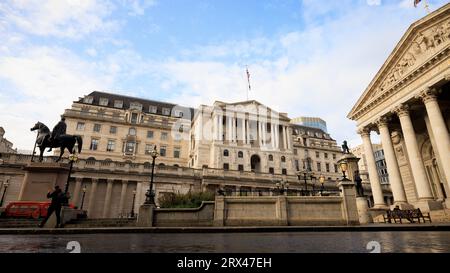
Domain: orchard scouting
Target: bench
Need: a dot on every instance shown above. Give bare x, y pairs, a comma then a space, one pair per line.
413, 216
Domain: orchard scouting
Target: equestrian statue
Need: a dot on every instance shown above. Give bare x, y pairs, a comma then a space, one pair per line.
56, 139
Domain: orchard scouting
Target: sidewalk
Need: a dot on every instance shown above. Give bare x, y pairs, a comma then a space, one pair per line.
362, 228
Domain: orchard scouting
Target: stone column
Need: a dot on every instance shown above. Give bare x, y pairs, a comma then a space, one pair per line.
259, 133
216, 127
92, 196
272, 135
247, 128
229, 126
372, 169
220, 126
439, 129
284, 137
417, 167
77, 190
288, 136
107, 204
243, 130
123, 195
395, 179
237, 191
264, 132
277, 136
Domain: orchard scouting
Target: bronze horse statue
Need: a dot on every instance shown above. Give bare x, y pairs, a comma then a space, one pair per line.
63, 142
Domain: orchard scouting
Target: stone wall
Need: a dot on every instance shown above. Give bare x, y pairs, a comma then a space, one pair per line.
202, 216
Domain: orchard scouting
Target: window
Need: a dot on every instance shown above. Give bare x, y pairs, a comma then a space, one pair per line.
103, 102
111, 146
165, 122
335, 168
136, 106
295, 151
271, 170
326, 155
164, 135
94, 144
97, 128
148, 148
240, 167
305, 142
132, 131
319, 167
226, 166
134, 118
334, 156
283, 159
327, 167
240, 154
118, 104
129, 147
270, 157
283, 171
149, 134
225, 153
112, 129
153, 109
178, 113
80, 126
297, 165
88, 99
166, 111
162, 150
317, 155
176, 152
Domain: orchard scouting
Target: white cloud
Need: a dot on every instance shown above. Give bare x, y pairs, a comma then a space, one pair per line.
138, 7
59, 18
373, 2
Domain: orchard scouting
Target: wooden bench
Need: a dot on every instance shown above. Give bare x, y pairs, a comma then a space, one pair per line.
397, 215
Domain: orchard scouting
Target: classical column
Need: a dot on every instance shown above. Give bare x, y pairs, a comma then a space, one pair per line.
375, 185
229, 126
288, 136
277, 136
243, 130
221, 127
415, 160
395, 178
259, 133
92, 196
216, 127
237, 191
77, 190
264, 132
247, 126
439, 129
123, 195
107, 204
272, 135
284, 138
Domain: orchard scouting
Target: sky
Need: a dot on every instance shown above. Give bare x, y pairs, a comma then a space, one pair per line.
305, 57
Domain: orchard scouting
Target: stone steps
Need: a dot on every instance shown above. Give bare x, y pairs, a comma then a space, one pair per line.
440, 216
111, 222
18, 223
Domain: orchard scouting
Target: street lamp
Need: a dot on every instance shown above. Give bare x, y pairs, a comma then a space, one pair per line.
282, 186
132, 205
344, 167
150, 194
82, 198
5, 185
72, 158
322, 180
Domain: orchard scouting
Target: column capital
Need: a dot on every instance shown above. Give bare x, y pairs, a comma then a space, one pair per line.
428, 95
124, 181
364, 131
79, 179
447, 77
382, 121
401, 110
109, 180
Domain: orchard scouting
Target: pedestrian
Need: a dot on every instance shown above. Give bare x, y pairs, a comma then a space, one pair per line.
58, 198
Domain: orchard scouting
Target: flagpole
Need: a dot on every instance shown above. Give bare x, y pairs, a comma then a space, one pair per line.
248, 80
426, 6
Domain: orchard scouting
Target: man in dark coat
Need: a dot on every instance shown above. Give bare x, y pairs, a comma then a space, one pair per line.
58, 198
58, 130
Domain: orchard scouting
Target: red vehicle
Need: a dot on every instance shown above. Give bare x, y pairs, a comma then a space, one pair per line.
27, 209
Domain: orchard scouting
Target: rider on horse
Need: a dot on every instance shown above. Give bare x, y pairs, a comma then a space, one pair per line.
58, 130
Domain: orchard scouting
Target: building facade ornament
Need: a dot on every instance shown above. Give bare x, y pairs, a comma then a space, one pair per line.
401, 110
427, 95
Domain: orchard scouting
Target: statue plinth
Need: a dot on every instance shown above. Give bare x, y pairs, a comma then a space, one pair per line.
41, 177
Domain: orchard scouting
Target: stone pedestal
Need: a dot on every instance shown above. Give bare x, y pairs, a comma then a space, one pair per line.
145, 216
67, 214
428, 205
40, 177
350, 209
363, 210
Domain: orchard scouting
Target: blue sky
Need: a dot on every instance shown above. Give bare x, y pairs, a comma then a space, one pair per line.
306, 57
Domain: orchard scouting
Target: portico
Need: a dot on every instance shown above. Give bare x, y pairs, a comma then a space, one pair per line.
408, 105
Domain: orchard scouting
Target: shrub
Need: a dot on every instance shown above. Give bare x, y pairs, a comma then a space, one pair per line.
188, 200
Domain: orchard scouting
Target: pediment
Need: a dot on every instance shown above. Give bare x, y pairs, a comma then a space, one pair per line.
423, 41
253, 107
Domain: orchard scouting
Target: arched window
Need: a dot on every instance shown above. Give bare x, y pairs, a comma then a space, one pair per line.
161, 164
90, 159
271, 170
240, 154
225, 153
270, 157
283, 159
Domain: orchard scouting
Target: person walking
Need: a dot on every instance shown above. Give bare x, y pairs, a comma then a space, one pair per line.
57, 197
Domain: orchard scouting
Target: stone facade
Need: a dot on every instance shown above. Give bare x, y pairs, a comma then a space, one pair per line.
6, 146
407, 103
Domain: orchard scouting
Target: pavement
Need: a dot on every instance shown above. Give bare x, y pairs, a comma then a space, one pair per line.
228, 229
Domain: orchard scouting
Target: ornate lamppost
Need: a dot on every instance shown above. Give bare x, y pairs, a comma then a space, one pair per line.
5, 185
132, 205
150, 194
72, 158
344, 166
82, 198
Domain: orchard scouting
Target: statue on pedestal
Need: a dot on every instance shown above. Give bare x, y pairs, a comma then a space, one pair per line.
345, 148
56, 139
